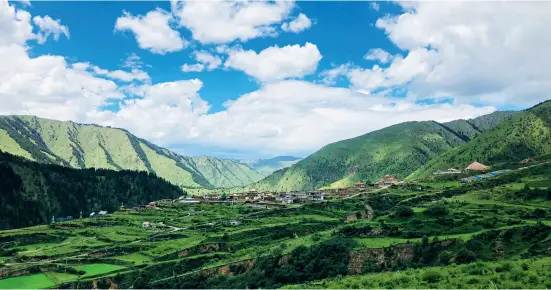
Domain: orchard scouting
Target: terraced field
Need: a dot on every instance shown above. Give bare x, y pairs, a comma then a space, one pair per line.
494, 233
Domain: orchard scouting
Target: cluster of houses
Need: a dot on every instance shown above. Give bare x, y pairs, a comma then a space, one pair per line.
484, 176
264, 197
142, 207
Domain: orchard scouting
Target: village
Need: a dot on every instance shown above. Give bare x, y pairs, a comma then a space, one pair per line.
256, 198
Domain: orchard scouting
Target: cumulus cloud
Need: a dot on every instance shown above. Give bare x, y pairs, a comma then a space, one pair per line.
152, 31
276, 63
48, 26
198, 67
133, 61
15, 25
133, 75
493, 54
47, 86
374, 6
379, 55
490, 52
282, 117
206, 61
300, 23
226, 21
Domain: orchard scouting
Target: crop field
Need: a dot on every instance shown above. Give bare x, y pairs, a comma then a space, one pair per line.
497, 231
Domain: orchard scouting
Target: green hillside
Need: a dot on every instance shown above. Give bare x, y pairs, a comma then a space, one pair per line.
91, 146
397, 150
31, 193
528, 134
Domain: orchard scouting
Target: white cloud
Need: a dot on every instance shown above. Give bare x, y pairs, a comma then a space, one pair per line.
206, 61
15, 25
133, 61
276, 63
198, 67
280, 118
226, 21
210, 61
485, 51
152, 31
133, 75
46, 86
300, 23
167, 112
399, 72
495, 54
379, 55
48, 26
375, 6
330, 76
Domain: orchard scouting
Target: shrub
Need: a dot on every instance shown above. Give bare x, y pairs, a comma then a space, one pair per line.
431, 276
464, 256
404, 212
316, 237
437, 210
445, 257
525, 266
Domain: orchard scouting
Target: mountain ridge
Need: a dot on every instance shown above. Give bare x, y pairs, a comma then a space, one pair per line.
528, 134
77, 145
397, 150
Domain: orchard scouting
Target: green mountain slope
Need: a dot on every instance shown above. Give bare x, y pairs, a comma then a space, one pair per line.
396, 150
269, 166
91, 146
528, 134
31, 192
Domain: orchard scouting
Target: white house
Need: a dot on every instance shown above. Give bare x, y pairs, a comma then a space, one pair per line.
189, 200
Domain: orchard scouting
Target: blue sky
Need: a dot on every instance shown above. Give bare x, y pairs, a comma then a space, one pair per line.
97, 43
261, 79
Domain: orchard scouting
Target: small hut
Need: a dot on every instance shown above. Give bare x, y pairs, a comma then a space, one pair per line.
476, 166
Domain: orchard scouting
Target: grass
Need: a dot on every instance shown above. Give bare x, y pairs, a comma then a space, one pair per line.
34, 281
380, 242
511, 275
59, 278
540, 183
96, 269
137, 258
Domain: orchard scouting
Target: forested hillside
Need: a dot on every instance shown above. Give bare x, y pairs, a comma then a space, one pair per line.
526, 135
91, 146
397, 150
31, 193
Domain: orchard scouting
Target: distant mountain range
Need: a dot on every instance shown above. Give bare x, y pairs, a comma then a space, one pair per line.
91, 146
406, 150
397, 150
269, 166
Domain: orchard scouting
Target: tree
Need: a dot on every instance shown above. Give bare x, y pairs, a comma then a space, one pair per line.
404, 212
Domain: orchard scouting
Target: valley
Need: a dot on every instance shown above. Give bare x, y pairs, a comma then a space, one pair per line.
444, 206
497, 231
